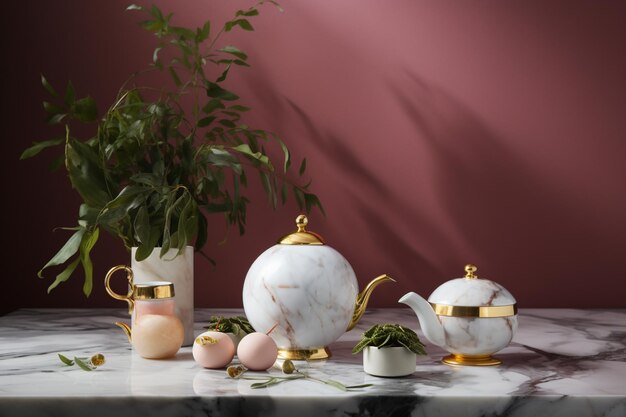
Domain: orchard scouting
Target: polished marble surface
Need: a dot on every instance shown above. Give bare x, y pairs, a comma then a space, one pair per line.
560, 363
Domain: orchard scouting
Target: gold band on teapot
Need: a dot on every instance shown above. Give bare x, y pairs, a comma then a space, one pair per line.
474, 311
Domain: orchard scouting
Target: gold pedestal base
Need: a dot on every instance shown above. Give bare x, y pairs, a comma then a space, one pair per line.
467, 360
304, 354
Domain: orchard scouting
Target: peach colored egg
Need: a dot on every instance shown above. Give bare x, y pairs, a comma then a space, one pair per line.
155, 336
257, 351
213, 355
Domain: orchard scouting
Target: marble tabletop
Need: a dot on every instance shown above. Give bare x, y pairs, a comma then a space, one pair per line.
561, 363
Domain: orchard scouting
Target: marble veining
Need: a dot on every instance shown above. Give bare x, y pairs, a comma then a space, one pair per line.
569, 363
471, 292
308, 292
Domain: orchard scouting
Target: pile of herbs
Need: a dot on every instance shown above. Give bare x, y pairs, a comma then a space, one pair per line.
236, 325
390, 335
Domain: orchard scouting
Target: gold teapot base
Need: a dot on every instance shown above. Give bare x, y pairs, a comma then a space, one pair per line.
471, 360
309, 354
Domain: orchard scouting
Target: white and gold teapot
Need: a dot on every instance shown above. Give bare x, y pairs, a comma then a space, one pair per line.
307, 292
469, 317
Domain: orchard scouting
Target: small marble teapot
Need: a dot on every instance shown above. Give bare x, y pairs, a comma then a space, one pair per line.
307, 292
469, 317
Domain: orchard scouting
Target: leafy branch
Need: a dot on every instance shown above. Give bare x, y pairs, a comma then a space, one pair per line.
159, 163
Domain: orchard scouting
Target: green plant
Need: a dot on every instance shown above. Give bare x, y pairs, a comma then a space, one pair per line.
389, 335
235, 325
161, 158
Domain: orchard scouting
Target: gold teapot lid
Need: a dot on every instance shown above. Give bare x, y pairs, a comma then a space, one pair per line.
301, 236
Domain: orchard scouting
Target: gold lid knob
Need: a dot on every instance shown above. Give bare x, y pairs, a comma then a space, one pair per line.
301, 236
301, 222
469, 271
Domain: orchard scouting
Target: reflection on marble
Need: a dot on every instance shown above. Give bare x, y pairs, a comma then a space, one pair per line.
561, 363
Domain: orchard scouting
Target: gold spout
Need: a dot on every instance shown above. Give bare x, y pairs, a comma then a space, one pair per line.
126, 329
363, 298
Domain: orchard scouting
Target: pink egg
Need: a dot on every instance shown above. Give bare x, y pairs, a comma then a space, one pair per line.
257, 351
217, 351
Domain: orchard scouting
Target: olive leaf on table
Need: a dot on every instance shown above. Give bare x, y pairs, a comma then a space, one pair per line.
84, 363
390, 335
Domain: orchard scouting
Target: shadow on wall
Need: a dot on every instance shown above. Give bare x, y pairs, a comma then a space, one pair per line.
497, 210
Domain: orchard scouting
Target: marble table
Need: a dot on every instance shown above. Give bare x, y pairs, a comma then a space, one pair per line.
561, 363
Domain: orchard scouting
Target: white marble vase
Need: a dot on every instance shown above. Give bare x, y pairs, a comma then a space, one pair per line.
177, 270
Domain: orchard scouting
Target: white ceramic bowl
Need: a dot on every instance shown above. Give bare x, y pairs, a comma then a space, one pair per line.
388, 361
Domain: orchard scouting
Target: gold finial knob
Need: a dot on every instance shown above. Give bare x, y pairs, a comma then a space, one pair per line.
301, 222
469, 271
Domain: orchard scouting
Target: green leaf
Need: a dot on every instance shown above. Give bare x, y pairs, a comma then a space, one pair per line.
56, 118
66, 252
224, 74
89, 240
335, 384
283, 193
265, 180
205, 121
40, 146
83, 365
175, 77
242, 23
239, 108
244, 148
142, 224
203, 33
85, 173
183, 33
299, 194
47, 86
216, 91
52, 108
202, 234
250, 12
66, 360
145, 248
64, 276
230, 49
70, 94
147, 178
85, 109
286, 153
302, 167
212, 105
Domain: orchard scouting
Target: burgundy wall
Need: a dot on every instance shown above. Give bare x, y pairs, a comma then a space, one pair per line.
437, 134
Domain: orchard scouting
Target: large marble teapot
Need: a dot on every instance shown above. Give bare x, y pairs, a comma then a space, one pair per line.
307, 292
469, 317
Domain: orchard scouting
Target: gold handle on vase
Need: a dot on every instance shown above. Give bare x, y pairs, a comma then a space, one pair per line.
129, 295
